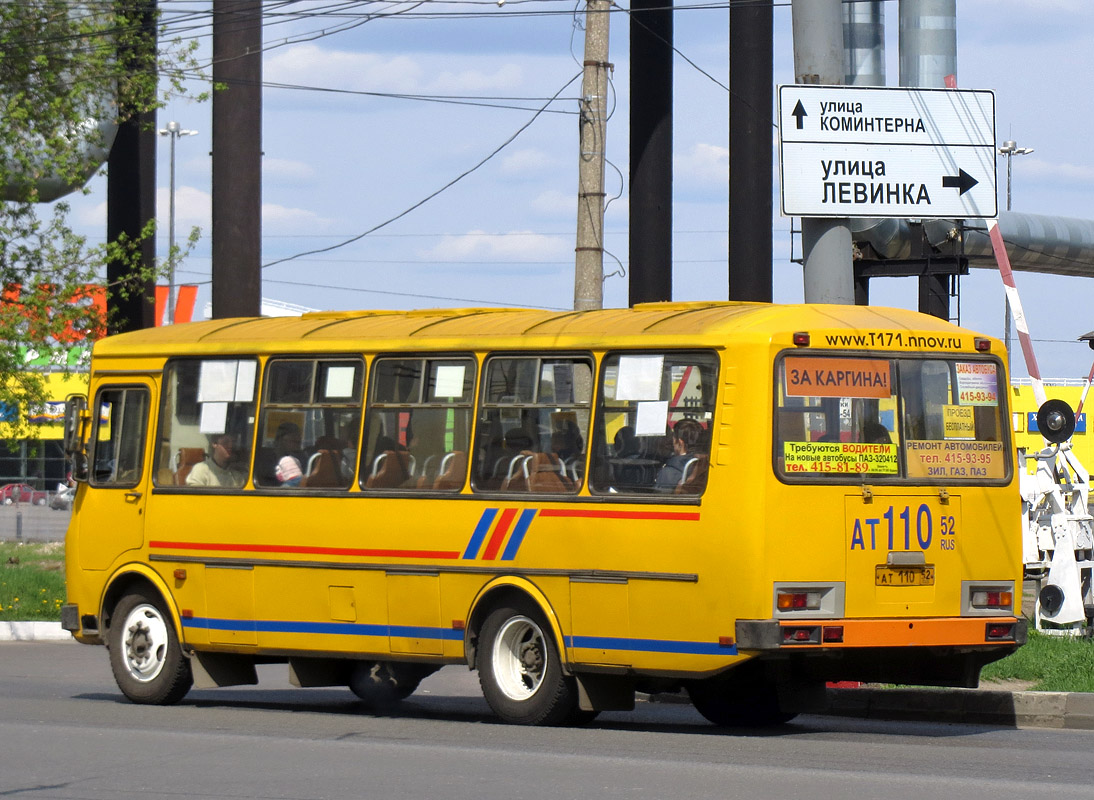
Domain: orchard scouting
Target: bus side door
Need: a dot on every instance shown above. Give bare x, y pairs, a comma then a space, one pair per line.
112, 511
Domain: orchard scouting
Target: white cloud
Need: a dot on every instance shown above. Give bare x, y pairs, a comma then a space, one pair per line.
312, 65
555, 203
1065, 172
287, 170
705, 163
527, 162
284, 219
478, 245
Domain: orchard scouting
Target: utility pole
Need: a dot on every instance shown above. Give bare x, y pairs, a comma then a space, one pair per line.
826, 242
589, 259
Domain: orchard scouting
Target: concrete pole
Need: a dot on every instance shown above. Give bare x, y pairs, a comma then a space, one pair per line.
589, 258
826, 242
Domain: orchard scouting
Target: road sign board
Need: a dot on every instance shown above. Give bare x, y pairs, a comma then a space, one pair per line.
864, 151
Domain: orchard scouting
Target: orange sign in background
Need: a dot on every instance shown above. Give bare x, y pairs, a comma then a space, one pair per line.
837, 377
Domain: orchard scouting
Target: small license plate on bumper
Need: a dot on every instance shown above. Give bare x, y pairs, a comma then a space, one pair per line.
908, 575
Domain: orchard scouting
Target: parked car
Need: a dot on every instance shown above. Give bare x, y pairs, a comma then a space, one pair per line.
23, 493
62, 498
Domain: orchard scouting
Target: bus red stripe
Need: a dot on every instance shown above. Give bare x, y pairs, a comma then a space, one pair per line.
304, 550
679, 516
498, 537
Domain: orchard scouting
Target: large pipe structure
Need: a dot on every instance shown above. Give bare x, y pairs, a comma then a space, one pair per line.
864, 43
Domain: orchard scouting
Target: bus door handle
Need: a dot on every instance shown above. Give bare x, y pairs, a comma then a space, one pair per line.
132, 497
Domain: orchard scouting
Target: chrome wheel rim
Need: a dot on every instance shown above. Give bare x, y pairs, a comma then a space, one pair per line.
519, 658
145, 639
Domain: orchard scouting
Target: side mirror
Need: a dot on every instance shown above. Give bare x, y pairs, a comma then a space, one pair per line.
1056, 421
75, 446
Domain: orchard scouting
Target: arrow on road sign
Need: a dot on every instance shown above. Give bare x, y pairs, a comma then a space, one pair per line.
799, 114
963, 181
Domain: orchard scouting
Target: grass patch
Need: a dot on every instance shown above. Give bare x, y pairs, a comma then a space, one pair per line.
32, 580
1051, 663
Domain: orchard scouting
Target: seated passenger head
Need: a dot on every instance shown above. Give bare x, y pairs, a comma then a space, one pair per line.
689, 433
287, 439
626, 442
876, 433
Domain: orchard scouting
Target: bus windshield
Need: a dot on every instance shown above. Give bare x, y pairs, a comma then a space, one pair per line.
900, 418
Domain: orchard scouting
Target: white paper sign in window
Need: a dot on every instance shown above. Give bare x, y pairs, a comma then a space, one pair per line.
652, 418
449, 380
217, 383
339, 382
639, 378
245, 381
214, 417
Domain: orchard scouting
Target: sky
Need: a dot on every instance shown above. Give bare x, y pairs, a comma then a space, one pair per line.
339, 162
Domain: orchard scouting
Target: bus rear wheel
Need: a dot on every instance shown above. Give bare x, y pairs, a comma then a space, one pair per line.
145, 655
745, 697
520, 671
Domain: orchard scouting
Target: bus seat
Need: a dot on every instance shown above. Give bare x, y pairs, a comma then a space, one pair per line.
694, 476
452, 471
516, 476
390, 470
185, 460
546, 473
322, 471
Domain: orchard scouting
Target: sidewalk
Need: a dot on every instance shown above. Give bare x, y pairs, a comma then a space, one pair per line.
33, 632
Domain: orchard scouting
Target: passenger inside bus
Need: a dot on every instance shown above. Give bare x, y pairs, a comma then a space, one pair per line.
218, 469
688, 450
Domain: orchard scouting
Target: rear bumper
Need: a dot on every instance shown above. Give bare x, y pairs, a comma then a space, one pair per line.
823, 634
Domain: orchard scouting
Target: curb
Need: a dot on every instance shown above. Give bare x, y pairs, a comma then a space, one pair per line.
1067, 710
1071, 710
33, 632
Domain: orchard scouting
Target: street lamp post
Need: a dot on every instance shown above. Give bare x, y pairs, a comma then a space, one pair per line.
174, 130
1010, 149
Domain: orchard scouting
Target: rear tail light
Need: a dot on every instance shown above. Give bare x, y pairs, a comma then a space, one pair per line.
801, 634
832, 634
999, 632
798, 601
992, 599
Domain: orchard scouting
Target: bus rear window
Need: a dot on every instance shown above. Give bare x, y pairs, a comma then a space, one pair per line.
892, 418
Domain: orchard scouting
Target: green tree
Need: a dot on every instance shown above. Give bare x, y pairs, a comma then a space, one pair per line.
70, 72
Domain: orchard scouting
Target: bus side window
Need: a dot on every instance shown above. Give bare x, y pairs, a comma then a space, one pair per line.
643, 397
118, 451
418, 428
533, 425
309, 423
204, 401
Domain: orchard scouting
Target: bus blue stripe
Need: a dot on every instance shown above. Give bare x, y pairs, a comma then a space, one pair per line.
651, 645
517, 537
485, 521
345, 628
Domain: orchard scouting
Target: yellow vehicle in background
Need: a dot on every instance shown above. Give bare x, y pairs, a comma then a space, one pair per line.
738, 500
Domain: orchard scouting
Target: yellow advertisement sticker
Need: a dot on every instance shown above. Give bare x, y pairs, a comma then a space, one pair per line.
958, 422
837, 377
934, 459
839, 457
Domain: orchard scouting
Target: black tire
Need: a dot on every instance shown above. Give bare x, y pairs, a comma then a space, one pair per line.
381, 684
520, 671
742, 698
145, 655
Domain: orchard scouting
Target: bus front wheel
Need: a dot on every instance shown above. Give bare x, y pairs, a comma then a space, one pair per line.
145, 655
520, 671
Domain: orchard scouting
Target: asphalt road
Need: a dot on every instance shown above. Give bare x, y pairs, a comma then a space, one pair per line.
66, 732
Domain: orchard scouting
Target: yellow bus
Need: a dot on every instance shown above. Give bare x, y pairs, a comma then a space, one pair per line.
742, 501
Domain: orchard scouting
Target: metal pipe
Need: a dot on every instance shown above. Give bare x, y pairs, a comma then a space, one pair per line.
864, 43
